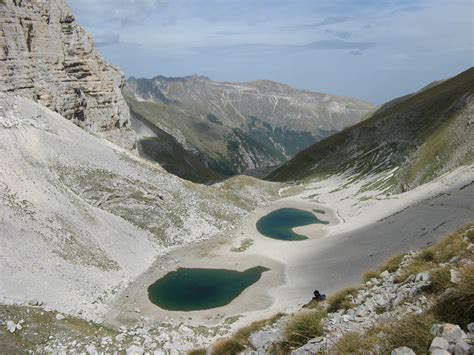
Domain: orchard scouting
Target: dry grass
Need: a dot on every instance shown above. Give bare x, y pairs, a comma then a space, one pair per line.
340, 299
240, 340
200, 351
430, 258
369, 275
440, 280
355, 343
451, 246
392, 264
456, 305
303, 327
412, 331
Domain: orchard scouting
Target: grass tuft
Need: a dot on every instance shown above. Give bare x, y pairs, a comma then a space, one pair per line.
456, 305
428, 259
355, 343
412, 331
392, 264
240, 340
440, 280
340, 299
369, 275
200, 351
304, 327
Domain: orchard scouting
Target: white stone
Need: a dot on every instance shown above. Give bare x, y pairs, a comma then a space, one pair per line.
423, 276
135, 350
402, 351
91, 350
439, 343
455, 276
452, 333
462, 348
470, 327
11, 326
385, 274
440, 352
59, 316
262, 339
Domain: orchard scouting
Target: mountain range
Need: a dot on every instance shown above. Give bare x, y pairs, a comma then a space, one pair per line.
216, 129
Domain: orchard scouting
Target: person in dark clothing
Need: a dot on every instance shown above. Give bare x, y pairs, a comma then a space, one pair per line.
318, 296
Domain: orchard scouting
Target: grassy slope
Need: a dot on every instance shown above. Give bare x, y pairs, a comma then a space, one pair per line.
431, 125
171, 155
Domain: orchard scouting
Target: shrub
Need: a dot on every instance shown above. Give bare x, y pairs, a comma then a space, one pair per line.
304, 327
371, 274
355, 343
340, 299
456, 305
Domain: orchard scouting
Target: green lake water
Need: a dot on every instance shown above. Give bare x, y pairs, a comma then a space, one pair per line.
200, 289
279, 224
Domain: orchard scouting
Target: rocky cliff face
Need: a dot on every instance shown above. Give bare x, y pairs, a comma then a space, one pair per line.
233, 127
46, 56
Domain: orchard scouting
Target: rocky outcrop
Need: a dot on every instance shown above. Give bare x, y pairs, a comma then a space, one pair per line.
46, 56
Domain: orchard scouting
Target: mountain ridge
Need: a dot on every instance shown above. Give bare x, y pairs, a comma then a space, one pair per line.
236, 127
398, 136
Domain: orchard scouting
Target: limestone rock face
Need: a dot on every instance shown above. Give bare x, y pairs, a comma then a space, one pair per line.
46, 56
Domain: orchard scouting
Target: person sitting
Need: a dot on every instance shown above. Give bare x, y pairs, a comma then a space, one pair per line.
318, 296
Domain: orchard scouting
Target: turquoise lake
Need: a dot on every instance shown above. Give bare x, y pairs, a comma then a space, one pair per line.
200, 289
279, 224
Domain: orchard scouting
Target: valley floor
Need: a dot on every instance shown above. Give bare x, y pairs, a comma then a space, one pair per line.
365, 228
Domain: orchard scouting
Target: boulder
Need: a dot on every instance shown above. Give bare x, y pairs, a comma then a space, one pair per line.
452, 333
262, 339
470, 327
439, 343
440, 352
423, 277
462, 348
455, 276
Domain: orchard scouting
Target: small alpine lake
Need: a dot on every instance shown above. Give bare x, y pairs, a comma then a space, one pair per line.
188, 289
279, 224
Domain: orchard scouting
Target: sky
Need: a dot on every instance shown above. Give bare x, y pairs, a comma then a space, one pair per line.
374, 50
